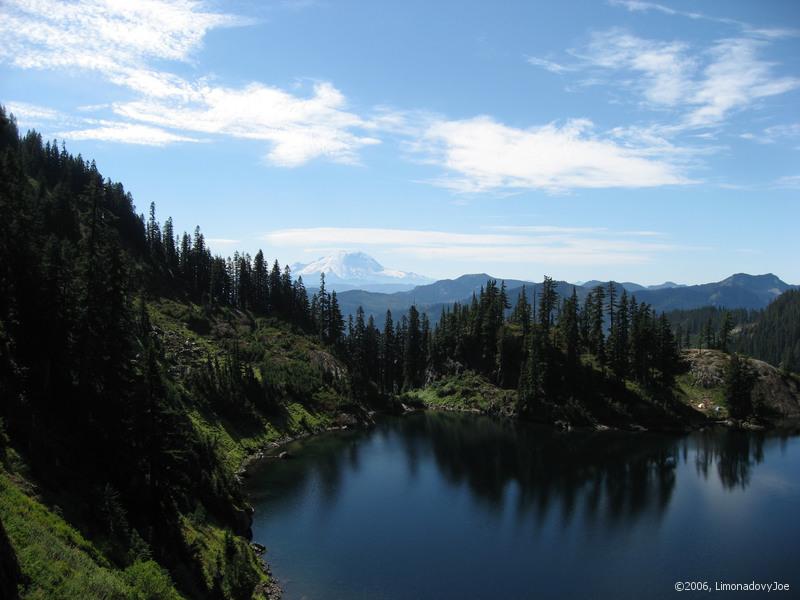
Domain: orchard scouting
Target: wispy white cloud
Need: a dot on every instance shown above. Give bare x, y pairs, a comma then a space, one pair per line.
734, 79
555, 229
539, 229
104, 35
481, 154
772, 134
704, 85
34, 114
308, 237
535, 245
128, 133
122, 40
657, 140
298, 128
791, 182
665, 68
767, 32
86, 128
550, 65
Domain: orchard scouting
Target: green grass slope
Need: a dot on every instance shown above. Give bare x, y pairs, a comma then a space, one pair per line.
57, 561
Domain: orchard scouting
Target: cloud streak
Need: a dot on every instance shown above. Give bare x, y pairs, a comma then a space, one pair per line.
772, 134
766, 32
549, 65
128, 133
524, 244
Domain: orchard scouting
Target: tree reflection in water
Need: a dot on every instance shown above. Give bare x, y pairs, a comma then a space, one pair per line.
607, 476
620, 474
734, 453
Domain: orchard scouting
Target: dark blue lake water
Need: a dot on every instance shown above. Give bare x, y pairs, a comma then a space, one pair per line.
435, 505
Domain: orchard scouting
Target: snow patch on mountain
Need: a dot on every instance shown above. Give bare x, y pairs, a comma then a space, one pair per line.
355, 268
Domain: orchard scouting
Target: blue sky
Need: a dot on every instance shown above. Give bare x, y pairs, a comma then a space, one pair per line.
628, 140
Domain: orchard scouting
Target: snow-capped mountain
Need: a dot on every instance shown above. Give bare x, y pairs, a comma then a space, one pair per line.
356, 270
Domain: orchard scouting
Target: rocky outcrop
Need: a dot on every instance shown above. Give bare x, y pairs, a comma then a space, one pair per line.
333, 371
776, 394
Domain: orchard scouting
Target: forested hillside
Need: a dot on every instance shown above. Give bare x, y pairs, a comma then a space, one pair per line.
771, 334
775, 335
137, 371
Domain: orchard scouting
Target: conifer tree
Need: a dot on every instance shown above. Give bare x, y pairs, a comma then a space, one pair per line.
595, 308
569, 332
739, 381
322, 311
521, 314
335, 321
413, 353
725, 331
277, 300
618, 342
547, 304
168, 243
302, 309
611, 304
260, 283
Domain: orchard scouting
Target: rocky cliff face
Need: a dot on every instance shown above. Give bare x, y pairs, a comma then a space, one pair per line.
775, 392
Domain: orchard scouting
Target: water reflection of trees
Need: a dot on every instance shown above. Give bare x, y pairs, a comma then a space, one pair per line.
613, 475
734, 453
606, 477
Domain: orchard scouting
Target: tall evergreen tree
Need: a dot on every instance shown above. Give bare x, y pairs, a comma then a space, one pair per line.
739, 381
413, 352
595, 306
725, 331
521, 314
618, 342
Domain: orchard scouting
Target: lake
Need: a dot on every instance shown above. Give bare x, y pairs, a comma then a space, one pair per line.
442, 505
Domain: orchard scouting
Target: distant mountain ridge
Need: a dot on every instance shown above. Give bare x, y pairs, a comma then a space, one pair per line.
633, 287
740, 290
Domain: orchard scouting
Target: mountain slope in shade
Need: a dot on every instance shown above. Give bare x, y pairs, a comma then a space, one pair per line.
737, 291
356, 270
632, 287
666, 285
627, 285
